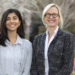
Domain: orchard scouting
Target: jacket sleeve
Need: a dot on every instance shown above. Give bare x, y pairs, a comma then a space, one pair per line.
68, 56
33, 70
28, 60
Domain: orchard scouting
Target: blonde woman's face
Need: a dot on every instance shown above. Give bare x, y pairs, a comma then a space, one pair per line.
51, 17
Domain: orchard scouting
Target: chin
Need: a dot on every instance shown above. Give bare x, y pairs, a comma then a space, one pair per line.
12, 29
52, 26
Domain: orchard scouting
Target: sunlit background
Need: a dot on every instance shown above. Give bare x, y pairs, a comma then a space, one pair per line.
31, 11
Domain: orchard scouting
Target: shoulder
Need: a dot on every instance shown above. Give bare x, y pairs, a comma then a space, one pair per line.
39, 36
68, 34
65, 33
26, 46
68, 37
27, 42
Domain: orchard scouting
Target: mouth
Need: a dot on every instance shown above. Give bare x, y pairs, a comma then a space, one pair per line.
12, 25
51, 21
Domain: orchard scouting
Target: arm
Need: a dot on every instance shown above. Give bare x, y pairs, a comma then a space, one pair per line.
28, 61
33, 70
68, 56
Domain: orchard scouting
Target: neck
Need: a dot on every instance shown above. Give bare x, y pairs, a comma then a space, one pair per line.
51, 30
12, 36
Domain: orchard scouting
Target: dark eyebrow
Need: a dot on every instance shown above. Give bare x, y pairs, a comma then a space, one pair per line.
13, 17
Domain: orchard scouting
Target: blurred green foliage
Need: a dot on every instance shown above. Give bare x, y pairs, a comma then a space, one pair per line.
73, 74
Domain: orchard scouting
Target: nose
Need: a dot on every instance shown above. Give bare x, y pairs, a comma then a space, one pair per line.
11, 20
51, 16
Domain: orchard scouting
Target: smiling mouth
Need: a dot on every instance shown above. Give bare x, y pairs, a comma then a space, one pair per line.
51, 21
11, 25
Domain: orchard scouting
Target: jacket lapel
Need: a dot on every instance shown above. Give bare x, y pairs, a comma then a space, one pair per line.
59, 33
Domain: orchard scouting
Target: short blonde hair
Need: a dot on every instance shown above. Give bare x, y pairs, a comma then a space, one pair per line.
47, 8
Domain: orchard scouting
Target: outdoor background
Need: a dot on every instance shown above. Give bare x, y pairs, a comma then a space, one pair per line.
31, 11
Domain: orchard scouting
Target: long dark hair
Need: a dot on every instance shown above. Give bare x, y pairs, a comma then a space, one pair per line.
3, 29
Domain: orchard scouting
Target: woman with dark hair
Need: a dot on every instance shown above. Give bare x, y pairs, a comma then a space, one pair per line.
15, 51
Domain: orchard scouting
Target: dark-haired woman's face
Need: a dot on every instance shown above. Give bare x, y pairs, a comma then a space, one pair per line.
12, 22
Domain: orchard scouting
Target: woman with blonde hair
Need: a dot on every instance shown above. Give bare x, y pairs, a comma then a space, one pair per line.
53, 50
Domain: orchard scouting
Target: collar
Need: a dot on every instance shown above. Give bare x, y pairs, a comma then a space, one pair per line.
18, 40
55, 32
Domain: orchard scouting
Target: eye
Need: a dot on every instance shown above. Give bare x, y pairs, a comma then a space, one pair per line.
54, 14
47, 14
14, 18
7, 19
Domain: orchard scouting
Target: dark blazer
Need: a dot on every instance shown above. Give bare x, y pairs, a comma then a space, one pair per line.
60, 54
